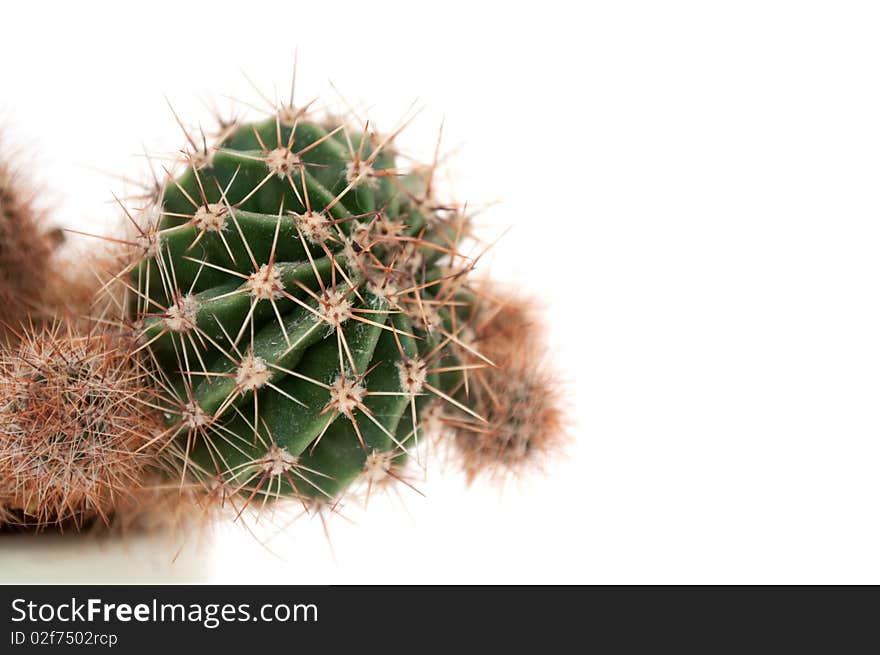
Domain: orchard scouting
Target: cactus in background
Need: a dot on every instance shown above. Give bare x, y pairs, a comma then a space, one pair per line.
518, 397
26, 247
42, 280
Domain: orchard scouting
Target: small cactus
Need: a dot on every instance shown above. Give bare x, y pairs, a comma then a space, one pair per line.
518, 397
77, 427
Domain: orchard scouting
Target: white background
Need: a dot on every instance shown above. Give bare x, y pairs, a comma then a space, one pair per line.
693, 191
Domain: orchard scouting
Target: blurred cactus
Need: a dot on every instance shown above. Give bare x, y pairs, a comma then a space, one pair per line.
26, 248
518, 396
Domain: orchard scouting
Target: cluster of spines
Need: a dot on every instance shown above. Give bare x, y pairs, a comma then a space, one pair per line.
77, 417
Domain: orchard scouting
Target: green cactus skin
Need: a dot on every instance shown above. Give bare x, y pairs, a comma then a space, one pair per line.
301, 296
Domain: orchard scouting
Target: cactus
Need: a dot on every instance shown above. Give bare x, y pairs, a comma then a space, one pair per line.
42, 279
298, 319
77, 427
518, 396
304, 300
26, 247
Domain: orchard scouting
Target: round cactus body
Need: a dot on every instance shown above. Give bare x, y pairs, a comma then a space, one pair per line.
301, 296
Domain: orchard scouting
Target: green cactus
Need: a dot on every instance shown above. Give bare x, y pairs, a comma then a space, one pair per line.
302, 297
